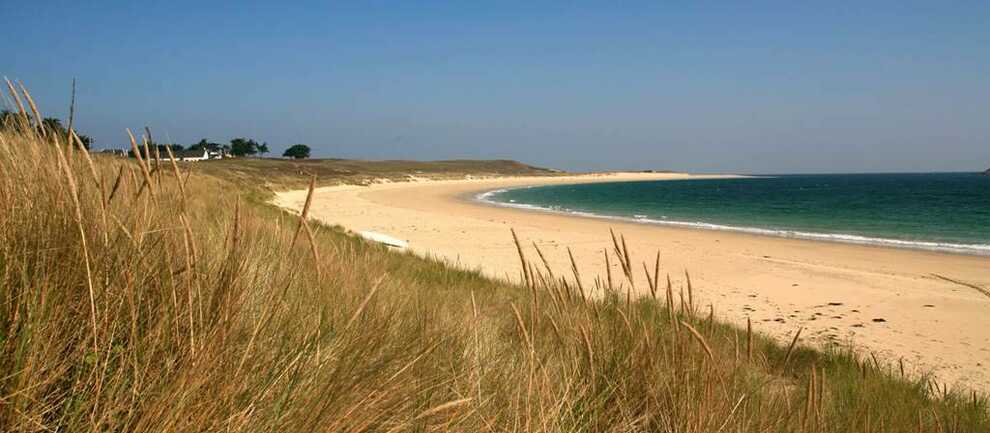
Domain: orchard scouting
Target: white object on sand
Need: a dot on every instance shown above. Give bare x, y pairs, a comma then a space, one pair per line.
384, 239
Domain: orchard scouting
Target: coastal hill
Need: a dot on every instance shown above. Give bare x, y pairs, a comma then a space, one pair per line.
284, 174
986, 172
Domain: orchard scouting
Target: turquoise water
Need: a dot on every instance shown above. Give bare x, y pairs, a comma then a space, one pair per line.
937, 211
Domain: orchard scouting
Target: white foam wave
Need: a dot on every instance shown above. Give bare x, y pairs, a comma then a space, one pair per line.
972, 249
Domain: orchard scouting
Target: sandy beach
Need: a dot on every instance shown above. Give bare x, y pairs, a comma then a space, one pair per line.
926, 308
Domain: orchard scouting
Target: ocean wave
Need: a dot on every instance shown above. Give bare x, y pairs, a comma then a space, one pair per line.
971, 249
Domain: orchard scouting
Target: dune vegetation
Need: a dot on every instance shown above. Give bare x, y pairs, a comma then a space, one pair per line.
148, 295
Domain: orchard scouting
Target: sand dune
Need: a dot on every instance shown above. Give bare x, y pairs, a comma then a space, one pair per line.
924, 307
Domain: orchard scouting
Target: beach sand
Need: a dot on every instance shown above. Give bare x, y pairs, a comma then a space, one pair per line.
897, 303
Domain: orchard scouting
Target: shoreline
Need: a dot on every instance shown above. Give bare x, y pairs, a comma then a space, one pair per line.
835, 291
979, 250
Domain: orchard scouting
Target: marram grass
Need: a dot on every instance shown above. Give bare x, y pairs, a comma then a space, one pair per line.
141, 296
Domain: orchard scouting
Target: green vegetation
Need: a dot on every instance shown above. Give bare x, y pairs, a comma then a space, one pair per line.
247, 147
140, 295
8, 119
297, 151
208, 145
275, 174
237, 147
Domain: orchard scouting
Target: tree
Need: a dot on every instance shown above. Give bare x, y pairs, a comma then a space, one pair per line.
263, 148
175, 148
297, 151
243, 147
7, 118
86, 140
54, 124
10, 119
203, 144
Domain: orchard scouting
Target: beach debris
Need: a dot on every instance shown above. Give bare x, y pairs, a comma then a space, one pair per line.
384, 239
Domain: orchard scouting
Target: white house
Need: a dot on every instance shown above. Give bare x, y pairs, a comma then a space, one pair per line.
192, 155
218, 154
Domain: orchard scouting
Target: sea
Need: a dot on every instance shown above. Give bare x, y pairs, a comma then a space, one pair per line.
947, 212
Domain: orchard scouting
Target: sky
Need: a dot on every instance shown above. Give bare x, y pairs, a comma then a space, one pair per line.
745, 87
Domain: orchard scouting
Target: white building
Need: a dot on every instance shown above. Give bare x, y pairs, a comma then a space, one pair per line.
192, 155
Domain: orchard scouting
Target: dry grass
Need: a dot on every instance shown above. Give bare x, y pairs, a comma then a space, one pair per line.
281, 174
138, 298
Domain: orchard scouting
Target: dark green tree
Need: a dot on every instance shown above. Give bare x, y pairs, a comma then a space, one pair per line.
243, 147
7, 118
263, 148
297, 151
86, 140
204, 144
175, 148
54, 125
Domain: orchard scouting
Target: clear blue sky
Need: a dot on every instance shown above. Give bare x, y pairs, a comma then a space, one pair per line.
755, 87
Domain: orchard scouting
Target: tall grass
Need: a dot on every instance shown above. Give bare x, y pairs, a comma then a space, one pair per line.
139, 296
